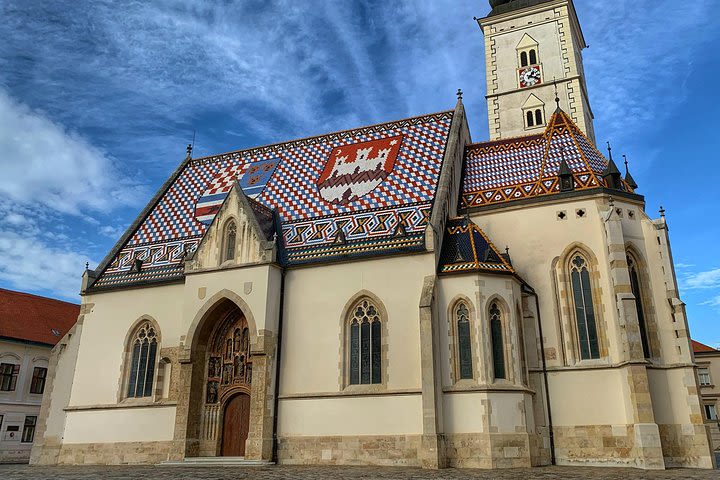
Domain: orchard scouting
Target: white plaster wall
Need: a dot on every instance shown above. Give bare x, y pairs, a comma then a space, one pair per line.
463, 412
28, 356
588, 397
669, 391
121, 425
314, 304
384, 415
105, 328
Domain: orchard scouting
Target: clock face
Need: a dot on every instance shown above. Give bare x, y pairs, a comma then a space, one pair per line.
530, 76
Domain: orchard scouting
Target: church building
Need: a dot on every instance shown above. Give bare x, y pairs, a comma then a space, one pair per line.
394, 294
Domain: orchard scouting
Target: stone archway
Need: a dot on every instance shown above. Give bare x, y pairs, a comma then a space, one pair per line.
209, 377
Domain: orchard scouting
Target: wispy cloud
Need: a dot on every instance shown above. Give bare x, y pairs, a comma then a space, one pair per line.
702, 280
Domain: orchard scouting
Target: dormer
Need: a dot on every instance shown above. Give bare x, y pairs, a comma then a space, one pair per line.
242, 233
528, 52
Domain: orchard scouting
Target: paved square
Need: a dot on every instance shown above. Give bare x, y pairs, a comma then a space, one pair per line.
25, 472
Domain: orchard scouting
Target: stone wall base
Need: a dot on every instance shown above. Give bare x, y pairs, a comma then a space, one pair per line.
488, 451
382, 450
686, 446
125, 453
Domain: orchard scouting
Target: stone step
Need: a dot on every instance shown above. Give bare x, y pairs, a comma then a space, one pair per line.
217, 462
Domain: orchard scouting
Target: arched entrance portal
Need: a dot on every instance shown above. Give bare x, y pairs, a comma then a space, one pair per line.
236, 423
228, 377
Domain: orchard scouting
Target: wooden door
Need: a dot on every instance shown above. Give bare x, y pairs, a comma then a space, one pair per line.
236, 424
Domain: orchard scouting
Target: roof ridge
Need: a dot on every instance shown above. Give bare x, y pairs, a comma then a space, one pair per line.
41, 297
313, 137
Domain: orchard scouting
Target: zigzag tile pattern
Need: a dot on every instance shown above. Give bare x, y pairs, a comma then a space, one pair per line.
392, 217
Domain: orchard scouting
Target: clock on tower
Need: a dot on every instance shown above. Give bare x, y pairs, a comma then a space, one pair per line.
530, 76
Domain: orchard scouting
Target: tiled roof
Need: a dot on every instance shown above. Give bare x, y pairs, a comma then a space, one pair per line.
337, 195
466, 248
36, 319
702, 348
516, 168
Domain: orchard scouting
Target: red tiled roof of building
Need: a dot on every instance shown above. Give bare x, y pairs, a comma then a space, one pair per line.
702, 348
37, 319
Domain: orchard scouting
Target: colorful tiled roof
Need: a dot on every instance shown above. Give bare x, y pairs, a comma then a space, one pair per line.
517, 168
702, 348
367, 191
466, 248
35, 319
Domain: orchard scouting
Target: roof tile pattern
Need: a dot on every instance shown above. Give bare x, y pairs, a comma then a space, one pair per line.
702, 348
466, 248
35, 319
285, 178
512, 169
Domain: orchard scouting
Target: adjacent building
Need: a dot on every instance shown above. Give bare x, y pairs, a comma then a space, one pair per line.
395, 294
30, 326
708, 362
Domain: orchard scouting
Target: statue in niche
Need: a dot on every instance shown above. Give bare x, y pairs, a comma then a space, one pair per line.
212, 392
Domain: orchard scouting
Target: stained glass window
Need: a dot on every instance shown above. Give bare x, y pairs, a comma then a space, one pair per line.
365, 355
462, 316
637, 292
584, 309
498, 348
230, 240
142, 363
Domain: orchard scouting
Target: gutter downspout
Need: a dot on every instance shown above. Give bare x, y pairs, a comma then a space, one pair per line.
278, 350
532, 292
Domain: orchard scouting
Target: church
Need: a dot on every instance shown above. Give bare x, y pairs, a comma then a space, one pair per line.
394, 294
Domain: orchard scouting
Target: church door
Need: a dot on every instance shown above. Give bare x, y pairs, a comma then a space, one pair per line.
236, 424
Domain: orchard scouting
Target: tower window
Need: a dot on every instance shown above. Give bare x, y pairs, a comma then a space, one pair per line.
498, 347
524, 59
584, 309
533, 57
538, 117
530, 119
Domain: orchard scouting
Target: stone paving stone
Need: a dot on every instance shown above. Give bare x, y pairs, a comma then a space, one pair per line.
25, 472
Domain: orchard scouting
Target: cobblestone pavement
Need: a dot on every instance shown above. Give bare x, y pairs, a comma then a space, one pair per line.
12, 472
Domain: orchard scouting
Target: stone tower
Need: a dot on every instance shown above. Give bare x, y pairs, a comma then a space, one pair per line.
528, 45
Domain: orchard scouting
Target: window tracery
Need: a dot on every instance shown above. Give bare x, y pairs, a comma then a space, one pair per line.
144, 345
498, 345
365, 344
462, 318
230, 241
584, 308
229, 363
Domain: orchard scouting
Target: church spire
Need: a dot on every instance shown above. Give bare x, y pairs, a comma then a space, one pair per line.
628, 178
611, 175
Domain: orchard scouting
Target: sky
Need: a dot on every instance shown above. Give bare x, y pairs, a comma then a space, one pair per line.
98, 100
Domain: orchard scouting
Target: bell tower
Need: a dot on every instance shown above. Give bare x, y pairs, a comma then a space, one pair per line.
530, 47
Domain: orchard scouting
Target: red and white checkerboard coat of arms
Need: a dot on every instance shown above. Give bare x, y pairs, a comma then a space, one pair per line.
355, 170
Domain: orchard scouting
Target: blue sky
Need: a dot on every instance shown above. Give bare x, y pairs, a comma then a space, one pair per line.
98, 100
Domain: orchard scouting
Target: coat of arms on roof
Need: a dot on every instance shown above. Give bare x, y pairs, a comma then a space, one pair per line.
355, 170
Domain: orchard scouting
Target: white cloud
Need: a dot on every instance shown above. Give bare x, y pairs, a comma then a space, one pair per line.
44, 164
713, 302
702, 280
29, 264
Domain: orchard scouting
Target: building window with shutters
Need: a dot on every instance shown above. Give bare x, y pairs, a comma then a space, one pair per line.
8, 376
498, 342
711, 412
704, 376
28, 434
142, 360
37, 385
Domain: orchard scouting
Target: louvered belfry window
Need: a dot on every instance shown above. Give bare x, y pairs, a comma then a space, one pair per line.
142, 364
498, 347
462, 316
584, 309
365, 344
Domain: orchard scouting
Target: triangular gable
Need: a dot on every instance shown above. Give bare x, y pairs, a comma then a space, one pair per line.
255, 240
533, 102
526, 42
466, 248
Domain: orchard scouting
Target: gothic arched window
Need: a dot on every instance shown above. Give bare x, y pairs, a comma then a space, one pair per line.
584, 308
498, 346
523, 59
533, 57
365, 344
230, 240
143, 345
637, 292
462, 318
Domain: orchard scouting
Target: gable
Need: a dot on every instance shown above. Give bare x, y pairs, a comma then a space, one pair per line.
356, 184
